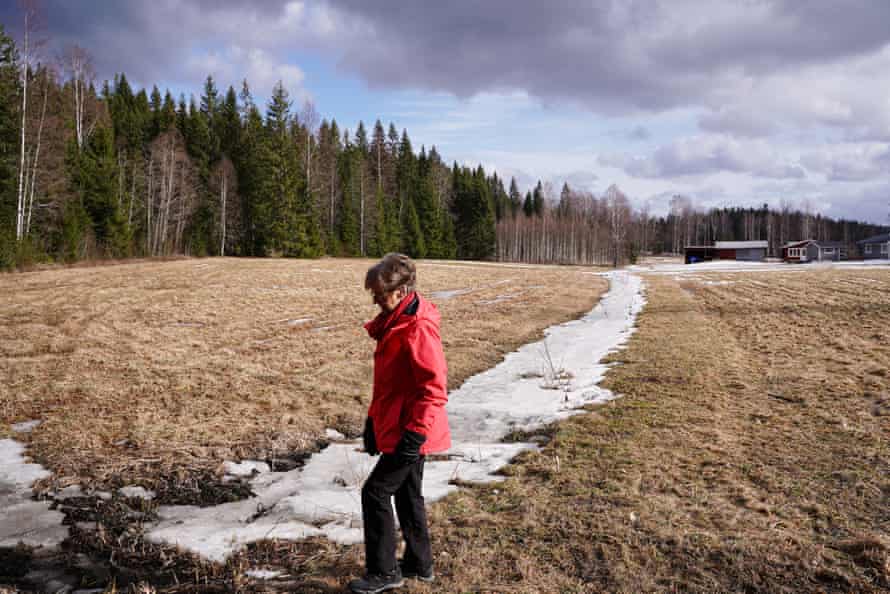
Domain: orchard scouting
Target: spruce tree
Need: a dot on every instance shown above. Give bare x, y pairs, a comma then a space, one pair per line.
94, 174
9, 142
157, 105
515, 198
349, 170
228, 124
538, 200
428, 211
210, 99
475, 224
413, 243
167, 118
528, 205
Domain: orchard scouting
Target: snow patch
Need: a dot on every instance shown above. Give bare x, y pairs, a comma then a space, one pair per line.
499, 299
136, 492
25, 426
23, 520
68, 493
741, 266
323, 497
245, 468
333, 434
263, 574
449, 294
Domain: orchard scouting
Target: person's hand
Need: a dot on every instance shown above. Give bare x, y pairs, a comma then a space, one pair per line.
370, 442
408, 450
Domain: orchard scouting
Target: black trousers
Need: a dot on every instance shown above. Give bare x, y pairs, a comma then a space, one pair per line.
391, 478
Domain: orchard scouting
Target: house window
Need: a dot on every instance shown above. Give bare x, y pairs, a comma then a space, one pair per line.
884, 247
796, 252
867, 248
829, 250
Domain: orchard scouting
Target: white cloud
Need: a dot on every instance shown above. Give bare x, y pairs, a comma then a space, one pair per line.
705, 154
263, 71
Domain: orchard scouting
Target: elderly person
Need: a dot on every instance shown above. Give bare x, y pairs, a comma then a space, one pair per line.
406, 421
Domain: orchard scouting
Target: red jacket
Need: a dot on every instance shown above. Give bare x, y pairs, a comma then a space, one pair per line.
410, 385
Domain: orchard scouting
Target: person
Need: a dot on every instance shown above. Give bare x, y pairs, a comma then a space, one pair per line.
406, 421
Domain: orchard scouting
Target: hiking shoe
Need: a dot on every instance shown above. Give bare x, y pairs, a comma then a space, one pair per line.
412, 572
374, 583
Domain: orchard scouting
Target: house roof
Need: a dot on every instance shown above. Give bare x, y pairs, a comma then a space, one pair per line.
883, 238
821, 244
740, 245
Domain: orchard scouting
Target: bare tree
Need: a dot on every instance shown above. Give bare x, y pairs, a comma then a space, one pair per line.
79, 65
309, 118
225, 181
171, 193
619, 218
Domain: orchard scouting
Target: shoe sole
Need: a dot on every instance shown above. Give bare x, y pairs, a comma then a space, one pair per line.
383, 589
423, 578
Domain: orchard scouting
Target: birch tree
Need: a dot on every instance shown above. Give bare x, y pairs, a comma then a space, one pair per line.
225, 180
619, 218
28, 57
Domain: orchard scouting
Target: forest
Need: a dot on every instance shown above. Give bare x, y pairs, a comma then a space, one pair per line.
93, 170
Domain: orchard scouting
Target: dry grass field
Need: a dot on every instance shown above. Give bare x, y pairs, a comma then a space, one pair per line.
750, 451
153, 373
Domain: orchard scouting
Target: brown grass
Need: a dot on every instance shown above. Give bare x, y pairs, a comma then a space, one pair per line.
749, 454
148, 369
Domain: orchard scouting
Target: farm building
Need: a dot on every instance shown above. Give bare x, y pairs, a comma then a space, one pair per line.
699, 253
876, 247
811, 250
751, 251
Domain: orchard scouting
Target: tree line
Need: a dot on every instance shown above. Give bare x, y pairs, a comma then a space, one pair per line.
90, 172
114, 172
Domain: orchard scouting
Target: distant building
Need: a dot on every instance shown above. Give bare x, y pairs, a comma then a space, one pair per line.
877, 247
811, 250
749, 251
698, 253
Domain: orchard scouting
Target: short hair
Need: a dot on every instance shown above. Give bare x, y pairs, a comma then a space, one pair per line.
394, 270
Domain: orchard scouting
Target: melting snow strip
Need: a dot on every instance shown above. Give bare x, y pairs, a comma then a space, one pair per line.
323, 497
449, 294
23, 520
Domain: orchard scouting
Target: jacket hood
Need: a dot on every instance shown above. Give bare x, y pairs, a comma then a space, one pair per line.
425, 310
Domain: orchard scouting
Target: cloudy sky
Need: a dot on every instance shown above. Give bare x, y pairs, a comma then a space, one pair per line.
731, 102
